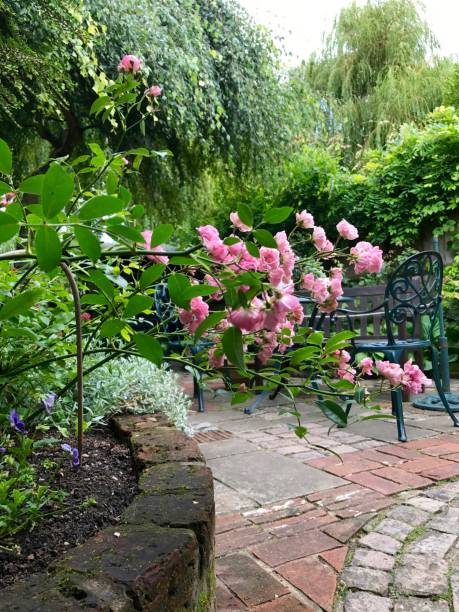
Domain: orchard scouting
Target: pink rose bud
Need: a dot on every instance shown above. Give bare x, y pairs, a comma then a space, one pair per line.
347, 230
125, 161
7, 198
86, 316
129, 63
154, 91
305, 219
234, 218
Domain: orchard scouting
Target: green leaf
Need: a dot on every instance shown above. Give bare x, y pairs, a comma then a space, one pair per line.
300, 431
151, 275
232, 346
129, 233
209, 322
48, 248
199, 290
315, 338
303, 354
20, 304
6, 158
89, 243
9, 227
149, 348
277, 215
182, 260
137, 211
231, 240
33, 184
137, 304
99, 206
101, 282
94, 298
161, 234
111, 327
99, 105
245, 214
5, 188
178, 285
57, 189
252, 249
339, 340
333, 411
265, 238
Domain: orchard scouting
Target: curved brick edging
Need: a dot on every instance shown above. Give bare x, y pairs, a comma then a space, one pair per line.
160, 557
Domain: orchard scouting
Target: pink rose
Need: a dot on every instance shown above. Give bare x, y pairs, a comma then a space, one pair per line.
269, 259
193, 317
147, 234
307, 281
7, 198
305, 219
320, 240
368, 258
366, 365
154, 91
86, 316
216, 358
129, 63
392, 371
414, 378
347, 230
234, 217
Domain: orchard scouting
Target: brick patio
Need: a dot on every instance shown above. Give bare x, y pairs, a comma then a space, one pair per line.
287, 554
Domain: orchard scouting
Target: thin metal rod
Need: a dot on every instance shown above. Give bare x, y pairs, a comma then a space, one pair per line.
79, 353
442, 340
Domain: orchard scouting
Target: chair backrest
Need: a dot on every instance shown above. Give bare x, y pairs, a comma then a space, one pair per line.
413, 296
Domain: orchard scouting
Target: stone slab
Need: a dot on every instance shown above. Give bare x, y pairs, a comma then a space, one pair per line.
229, 500
386, 431
268, 477
366, 602
417, 604
433, 544
366, 579
421, 575
226, 448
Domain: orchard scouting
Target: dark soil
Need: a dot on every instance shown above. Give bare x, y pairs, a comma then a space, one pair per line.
106, 475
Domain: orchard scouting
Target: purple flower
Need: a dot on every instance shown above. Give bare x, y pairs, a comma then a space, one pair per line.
47, 402
16, 422
2, 449
73, 452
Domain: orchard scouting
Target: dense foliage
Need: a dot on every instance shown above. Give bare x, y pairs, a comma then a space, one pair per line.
376, 72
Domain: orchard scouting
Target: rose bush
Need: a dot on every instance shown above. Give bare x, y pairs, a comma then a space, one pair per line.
239, 292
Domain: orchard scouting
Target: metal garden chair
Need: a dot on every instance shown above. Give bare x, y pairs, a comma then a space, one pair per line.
411, 303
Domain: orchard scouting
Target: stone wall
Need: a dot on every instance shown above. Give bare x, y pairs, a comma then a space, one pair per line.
160, 557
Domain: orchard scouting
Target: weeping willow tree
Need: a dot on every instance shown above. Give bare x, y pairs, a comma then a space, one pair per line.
378, 69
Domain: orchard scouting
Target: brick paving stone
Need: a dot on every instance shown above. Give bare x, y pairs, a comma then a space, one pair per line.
421, 575
336, 557
417, 604
381, 485
394, 528
366, 579
226, 601
433, 544
443, 472
447, 523
345, 529
250, 582
370, 505
374, 454
383, 543
366, 602
448, 448
426, 503
408, 514
338, 493
451, 456
288, 603
292, 507
374, 559
425, 464
226, 522
299, 524
239, 538
348, 465
403, 477
283, 550
315, 579
399, 450
423, 443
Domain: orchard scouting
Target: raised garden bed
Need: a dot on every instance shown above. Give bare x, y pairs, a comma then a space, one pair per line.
159, 556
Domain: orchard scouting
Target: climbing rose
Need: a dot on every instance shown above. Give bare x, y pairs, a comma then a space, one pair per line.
86, 316
305, 219
307, 281
7, 198
192, 318
368, 258
154, 91
234, 217
345, 371
147, 234
129, 63
414, 378
347, 230
216, 359
366, 365
320, 240
248, 319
